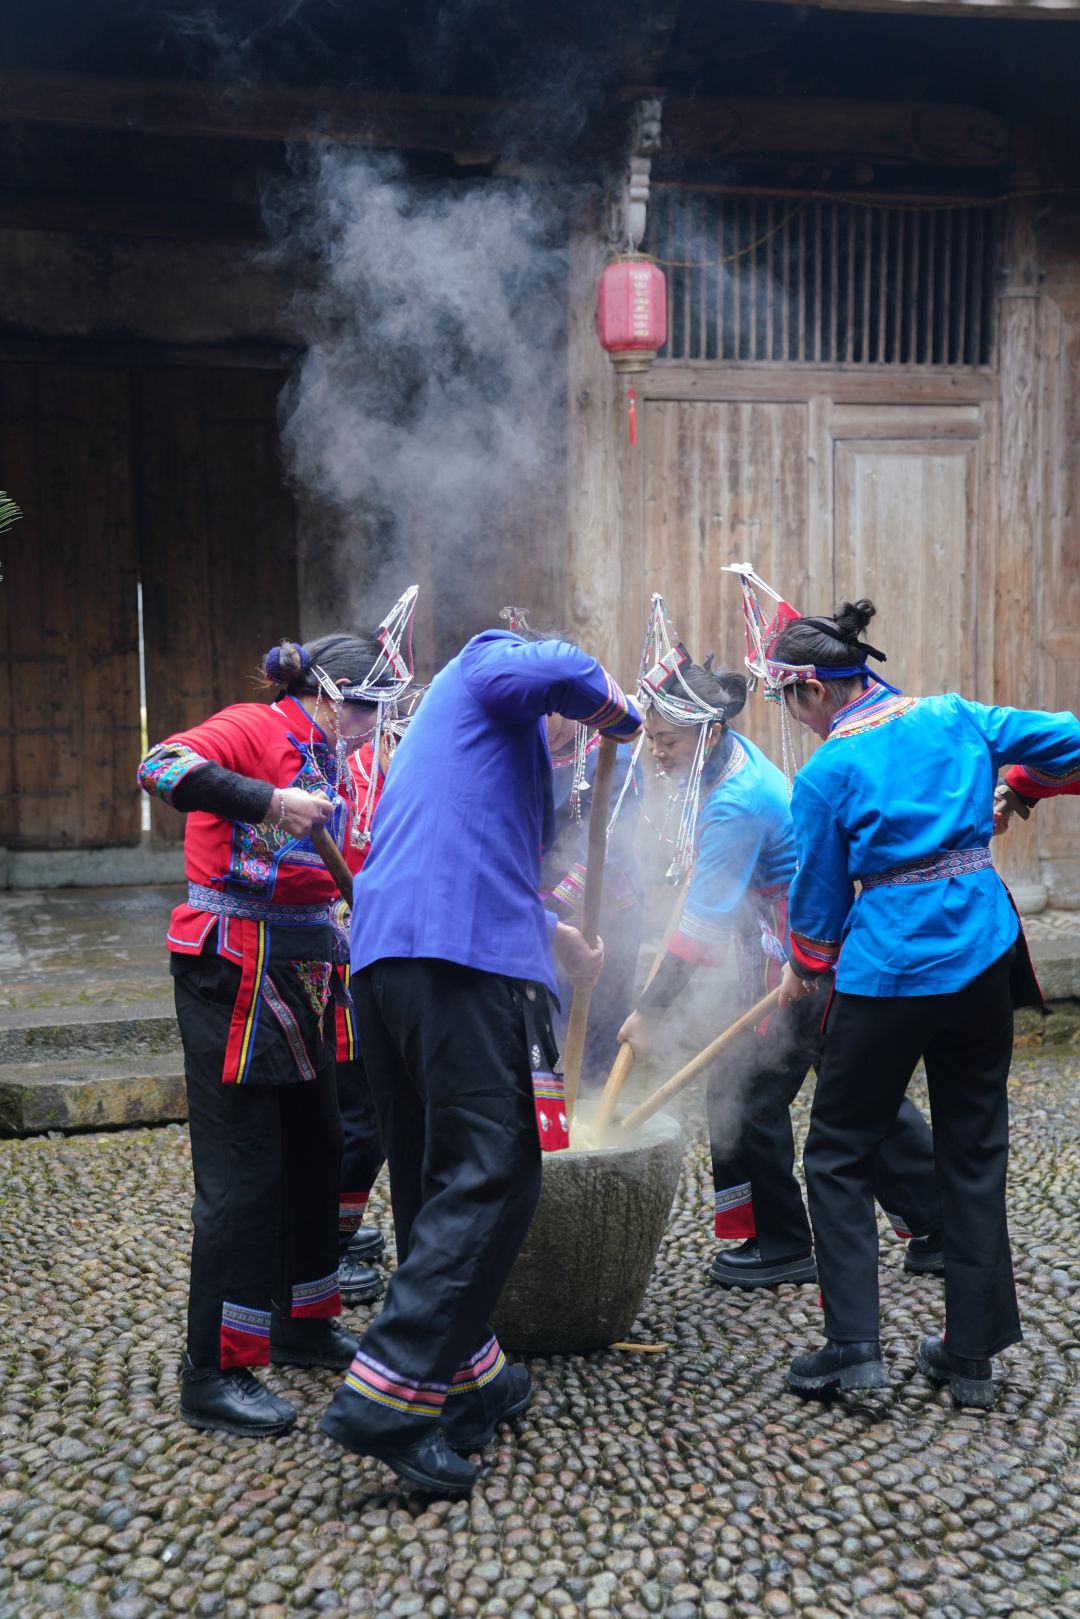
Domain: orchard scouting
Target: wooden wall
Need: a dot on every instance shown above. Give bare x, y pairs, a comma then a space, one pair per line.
945, 494
69, 661
170, 475
217, 541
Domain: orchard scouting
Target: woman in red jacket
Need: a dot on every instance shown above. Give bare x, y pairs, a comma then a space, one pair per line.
252, 966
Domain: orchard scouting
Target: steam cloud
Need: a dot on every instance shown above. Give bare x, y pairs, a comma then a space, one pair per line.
427, 407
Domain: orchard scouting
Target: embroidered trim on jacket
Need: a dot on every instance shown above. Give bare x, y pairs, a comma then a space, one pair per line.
931, 868
202, 898
875, 707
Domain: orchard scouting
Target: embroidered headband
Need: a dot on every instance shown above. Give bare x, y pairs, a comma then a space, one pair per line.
762, 635
679, 704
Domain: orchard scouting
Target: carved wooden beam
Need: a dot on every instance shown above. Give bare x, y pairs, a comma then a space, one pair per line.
259, 112
1038, 10
899, 132
880, 131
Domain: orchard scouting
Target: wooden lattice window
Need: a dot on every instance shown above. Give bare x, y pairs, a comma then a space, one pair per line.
818, 281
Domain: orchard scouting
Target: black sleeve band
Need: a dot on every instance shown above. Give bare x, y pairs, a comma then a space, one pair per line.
672, 977
222, 792
804, 973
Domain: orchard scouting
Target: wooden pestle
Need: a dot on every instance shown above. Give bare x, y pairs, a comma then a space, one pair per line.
609, 1096
596, 855
679, 1081
334, 861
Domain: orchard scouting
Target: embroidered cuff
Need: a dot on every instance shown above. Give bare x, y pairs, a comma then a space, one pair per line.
571, 891
618, 713
812, 956
1031, 784
165, 767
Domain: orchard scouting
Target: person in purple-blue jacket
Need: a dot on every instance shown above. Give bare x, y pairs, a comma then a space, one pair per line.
452, 976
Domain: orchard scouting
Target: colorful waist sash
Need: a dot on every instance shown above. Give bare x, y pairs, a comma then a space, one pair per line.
245, 909
930, 868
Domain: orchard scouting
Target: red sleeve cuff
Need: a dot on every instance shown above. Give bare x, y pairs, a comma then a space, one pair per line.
1034, 784
697, 951
812, 956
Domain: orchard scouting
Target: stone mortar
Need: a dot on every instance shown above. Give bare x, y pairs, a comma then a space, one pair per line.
582, 1272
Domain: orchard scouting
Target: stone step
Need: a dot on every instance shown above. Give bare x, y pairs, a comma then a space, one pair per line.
91, 1093
140, 1029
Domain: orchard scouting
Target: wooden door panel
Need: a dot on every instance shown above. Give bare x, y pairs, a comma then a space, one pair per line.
217, 534
719, 483
905, 535
69, 668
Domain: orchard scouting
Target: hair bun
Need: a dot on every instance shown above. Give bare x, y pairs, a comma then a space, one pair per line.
285, 663
851, 618
734, 689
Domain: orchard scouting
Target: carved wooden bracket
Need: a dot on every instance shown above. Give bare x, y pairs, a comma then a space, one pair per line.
630, 203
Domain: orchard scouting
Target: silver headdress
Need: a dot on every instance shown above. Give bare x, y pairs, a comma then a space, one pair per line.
762, 635
663, 658
381, 688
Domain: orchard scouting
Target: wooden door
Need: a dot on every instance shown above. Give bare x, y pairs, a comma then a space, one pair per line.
69, 659
217, 535
906, 534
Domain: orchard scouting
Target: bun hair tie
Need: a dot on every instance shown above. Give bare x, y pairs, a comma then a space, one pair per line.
286, 663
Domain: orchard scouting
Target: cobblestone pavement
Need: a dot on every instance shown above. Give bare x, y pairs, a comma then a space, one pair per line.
685, 1484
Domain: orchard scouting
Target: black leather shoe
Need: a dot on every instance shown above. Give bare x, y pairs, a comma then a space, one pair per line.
310, 1341
233, 1401
924, 1256
469, 1426
359, 1284
425, 1461
971, 1382
845, 1366
744, 1267
366, 1244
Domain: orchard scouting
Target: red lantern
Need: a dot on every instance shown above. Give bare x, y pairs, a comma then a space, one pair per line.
631, 318
631, 312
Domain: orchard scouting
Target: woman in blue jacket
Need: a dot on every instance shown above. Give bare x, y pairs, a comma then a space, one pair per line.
744, 860
928, 958
452, 970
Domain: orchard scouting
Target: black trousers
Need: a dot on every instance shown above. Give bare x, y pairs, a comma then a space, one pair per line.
872, 1045
362, 1153
266, 1160
753, 1148
447, 1054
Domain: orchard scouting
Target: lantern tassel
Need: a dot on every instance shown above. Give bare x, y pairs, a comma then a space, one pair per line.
632, 399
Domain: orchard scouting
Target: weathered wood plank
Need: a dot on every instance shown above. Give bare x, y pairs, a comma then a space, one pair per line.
218, 544
719, 482
708, 381
906, 536
69, 638
1059, 575
596, 450
1019, 531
